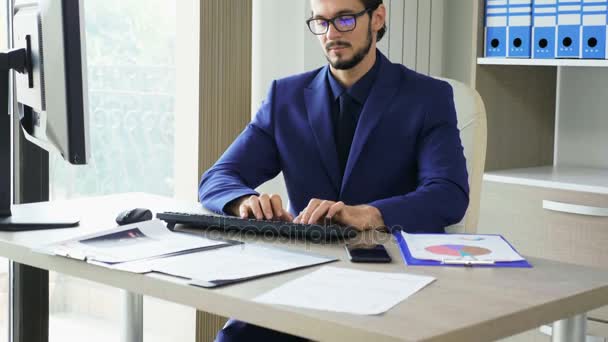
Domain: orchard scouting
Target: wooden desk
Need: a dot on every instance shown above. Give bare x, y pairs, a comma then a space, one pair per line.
464, 304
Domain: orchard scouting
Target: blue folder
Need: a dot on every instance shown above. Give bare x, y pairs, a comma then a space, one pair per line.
544, 29
411, 261
496, 28
594, 29
519, 28
569, 24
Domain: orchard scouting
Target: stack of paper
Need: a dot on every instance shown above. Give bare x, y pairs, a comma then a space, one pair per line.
228, 265
150, 247
136, 241
347, 290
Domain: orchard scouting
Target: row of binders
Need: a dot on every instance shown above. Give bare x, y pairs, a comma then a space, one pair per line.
546, 29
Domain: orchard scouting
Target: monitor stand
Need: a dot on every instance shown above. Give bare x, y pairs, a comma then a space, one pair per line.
35, 216
25, 216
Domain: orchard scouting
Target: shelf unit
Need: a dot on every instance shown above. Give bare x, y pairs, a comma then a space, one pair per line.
546, 113
550, 114
579, 120
543, 114
570, 178
547, 142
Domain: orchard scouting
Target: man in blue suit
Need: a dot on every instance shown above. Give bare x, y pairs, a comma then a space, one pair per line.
363, 141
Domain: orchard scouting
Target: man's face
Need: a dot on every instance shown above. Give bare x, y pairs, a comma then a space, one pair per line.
344, 50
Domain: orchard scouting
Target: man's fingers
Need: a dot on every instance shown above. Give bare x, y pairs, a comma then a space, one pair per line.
319, 212
271, 207
254, 205
287, 217
266, 206
277, 205
305, 214
335, 209
244, 210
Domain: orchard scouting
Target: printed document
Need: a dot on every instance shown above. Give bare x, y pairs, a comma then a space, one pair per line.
227, 265
347, 290
136, 241
441, 247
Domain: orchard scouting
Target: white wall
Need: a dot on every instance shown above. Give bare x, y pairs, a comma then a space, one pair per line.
277, 48
282, 46
187, 74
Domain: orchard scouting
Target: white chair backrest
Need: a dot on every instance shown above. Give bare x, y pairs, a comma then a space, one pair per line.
471, 114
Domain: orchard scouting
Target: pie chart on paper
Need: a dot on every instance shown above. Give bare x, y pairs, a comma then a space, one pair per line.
457, 250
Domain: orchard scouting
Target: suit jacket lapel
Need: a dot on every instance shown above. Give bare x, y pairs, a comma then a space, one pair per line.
384, 89
316, 97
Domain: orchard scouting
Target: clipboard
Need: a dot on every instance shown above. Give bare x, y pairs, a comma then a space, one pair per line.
411, 261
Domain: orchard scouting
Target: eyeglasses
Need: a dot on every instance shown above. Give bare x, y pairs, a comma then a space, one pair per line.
342, 23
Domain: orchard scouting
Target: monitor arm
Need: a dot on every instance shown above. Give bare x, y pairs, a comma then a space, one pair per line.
18, 60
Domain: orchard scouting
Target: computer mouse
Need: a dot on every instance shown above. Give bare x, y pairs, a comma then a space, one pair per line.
133, 216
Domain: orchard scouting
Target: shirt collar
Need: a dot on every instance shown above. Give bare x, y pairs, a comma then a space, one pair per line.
358, 91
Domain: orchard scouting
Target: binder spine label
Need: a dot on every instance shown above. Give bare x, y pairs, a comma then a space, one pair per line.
544, 29
496, 28
569, 29
594, 29
519, 28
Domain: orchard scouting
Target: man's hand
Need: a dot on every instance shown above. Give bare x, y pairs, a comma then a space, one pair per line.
362, 217
269, 207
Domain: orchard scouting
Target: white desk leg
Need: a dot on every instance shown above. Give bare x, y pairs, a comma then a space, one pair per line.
571, 329
133, 322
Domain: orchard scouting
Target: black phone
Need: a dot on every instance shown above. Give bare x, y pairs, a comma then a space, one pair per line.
367, 253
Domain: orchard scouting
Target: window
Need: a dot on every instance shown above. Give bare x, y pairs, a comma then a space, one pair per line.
131, 71
3, 262
3, 300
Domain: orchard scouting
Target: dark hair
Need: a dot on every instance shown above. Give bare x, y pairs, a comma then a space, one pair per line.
373, 5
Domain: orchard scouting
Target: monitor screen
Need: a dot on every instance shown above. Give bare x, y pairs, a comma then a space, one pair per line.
48, 56
52, 99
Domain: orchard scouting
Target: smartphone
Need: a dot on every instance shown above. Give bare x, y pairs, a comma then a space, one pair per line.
368, 253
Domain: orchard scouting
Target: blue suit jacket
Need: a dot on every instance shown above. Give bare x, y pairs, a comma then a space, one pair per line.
406, 157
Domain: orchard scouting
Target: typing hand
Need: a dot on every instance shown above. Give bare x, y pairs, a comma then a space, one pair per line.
269, 207
362, 217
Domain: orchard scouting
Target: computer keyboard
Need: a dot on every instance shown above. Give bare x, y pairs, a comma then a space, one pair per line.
312, 232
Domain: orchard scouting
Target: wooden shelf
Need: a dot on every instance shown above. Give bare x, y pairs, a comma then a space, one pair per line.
594, 180
544, 62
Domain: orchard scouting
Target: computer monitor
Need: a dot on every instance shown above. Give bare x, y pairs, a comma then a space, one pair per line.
48, 56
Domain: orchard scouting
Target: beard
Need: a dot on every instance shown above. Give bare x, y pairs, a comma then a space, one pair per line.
357, 58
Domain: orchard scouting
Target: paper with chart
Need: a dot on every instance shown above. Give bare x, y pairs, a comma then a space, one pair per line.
229, 264
443, 247
347, 290
131, 242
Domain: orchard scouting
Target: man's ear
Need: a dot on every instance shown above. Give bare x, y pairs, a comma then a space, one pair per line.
379, 18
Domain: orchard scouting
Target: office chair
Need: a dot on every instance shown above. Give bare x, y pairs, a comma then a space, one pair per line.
471, 114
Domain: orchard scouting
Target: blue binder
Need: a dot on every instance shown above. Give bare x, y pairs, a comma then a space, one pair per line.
544, 29
411, 261
496, 28
569, 24
519, 28
594, 29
